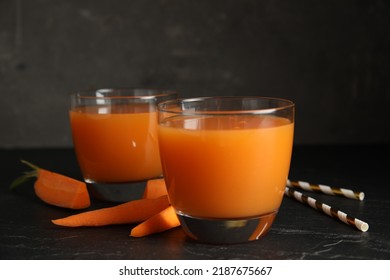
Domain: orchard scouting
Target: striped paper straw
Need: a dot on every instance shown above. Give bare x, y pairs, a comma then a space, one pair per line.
326, 189
328, 210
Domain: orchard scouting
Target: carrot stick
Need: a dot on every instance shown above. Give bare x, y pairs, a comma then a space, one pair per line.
155, 188
56, 189
162, 221
126, 213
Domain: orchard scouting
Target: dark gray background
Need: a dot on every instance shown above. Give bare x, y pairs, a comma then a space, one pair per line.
330, 57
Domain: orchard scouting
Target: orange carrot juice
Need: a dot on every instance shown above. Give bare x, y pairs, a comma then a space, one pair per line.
117, 143
226, 166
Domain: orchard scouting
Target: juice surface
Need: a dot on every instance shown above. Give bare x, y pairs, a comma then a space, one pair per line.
116, 143
226, 166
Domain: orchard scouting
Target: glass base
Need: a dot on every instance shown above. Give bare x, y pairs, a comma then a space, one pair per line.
226, 231
121, 192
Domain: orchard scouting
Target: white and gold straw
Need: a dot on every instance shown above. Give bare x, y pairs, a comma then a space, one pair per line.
326, 189
328, 210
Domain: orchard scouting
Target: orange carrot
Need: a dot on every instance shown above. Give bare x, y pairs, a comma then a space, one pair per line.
56, 189
164, 220
134, 211
62, 191
155, 188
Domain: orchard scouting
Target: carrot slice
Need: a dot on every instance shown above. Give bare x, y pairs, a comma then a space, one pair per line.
56, 189
162, 221
62, 191
126, 213
155, 188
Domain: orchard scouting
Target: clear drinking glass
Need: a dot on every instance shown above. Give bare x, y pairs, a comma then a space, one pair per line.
225, 163
115, 139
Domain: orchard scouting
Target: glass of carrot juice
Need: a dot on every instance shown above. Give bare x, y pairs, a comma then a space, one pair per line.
115, 139
225, 163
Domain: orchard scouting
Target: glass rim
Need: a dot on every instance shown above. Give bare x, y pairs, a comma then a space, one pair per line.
272, 109
123, 93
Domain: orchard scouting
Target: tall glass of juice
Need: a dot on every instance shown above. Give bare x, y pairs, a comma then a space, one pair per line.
225, 163
115, 139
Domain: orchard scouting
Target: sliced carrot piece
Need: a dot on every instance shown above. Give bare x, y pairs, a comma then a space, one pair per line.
155, 188
62, 191
162, 221
56, 189
134, 211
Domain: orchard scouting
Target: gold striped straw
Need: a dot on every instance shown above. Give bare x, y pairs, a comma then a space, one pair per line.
326, 189
326, 209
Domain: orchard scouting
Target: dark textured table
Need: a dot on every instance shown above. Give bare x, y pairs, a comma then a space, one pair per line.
299, 231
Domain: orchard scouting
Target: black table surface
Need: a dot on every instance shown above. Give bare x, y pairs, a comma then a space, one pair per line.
299, 232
